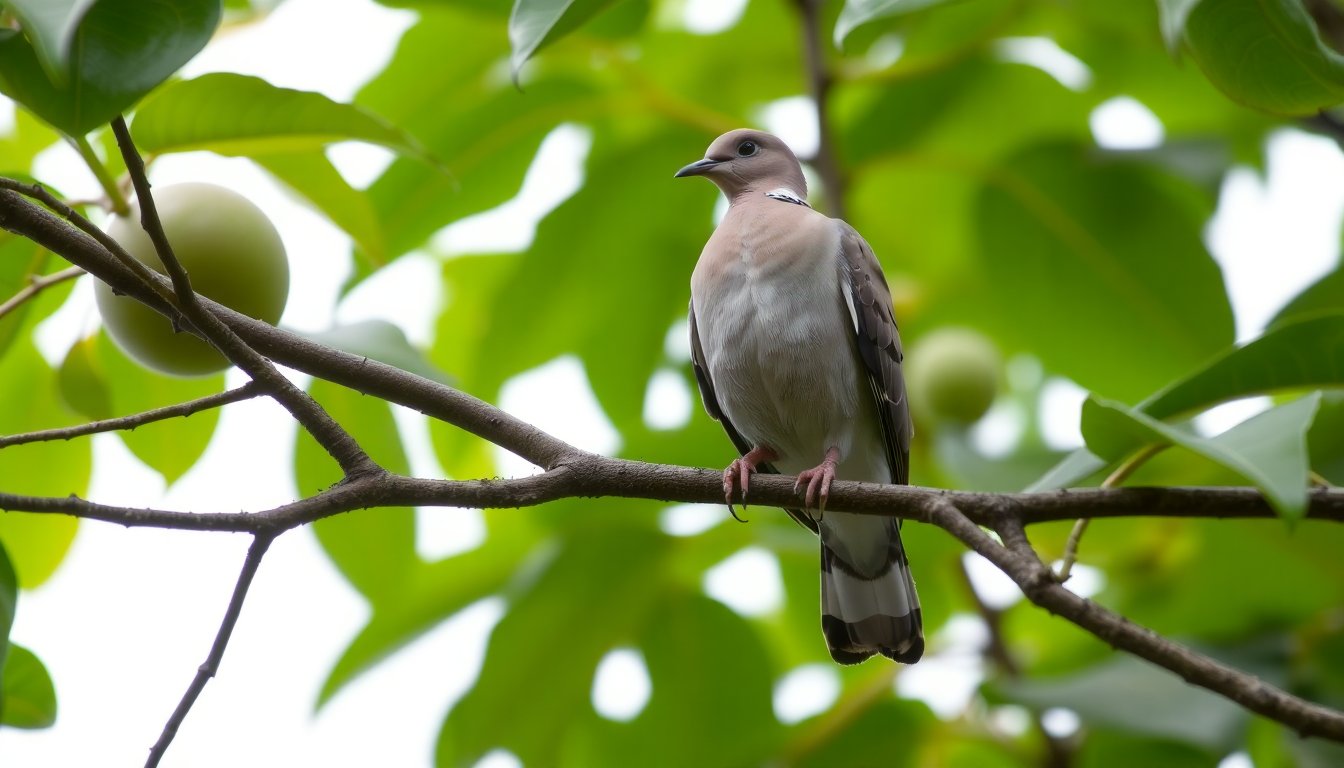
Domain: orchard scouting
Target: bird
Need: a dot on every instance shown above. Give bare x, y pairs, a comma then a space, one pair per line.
796, 353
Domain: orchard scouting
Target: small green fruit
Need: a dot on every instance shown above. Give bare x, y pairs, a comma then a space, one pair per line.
953, 375
232, 254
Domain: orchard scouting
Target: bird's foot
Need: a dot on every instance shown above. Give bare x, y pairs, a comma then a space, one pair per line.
818, 480
739, 473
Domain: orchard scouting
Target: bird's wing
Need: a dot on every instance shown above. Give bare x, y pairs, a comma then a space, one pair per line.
711, 401
879, 342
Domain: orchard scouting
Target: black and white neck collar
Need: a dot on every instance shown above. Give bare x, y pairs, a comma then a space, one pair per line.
788, 196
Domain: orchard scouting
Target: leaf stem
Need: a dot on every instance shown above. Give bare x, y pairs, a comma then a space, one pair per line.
116, 198
1117, 477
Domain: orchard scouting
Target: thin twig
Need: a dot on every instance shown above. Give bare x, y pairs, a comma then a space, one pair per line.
116, 199
36, 285
247, 391
1116, 478
574, 473
324, 429
819, 80
208, 669
40, 194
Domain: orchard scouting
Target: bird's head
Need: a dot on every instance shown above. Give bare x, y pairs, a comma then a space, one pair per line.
747, 160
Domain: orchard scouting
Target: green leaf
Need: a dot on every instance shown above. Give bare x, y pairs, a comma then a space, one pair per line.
83, 382
27, 697
20, 260
430, 594
50, 26
1091, 292
881, 734
313, 177
242, 115
1325, 296
856, 13
120, 50
719, 700
1268, 449
9, 601
382, 341
588, 598
1135, 696
37, 543
1172, 15
1266, 54
585, 295
535, 24
374, 548
1325, 442
169, 447
483, 130
1304, 353
1301, 354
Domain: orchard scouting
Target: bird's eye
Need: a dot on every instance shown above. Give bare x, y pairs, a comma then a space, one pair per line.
747, 149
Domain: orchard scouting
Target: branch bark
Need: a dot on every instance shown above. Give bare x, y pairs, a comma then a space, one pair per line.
570, 472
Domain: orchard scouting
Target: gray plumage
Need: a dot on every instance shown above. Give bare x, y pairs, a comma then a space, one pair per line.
797, 354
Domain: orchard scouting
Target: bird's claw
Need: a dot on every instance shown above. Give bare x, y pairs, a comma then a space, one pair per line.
818, 480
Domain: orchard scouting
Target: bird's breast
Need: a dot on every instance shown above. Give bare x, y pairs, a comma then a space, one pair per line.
778, 340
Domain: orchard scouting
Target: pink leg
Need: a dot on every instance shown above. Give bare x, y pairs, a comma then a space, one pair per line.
819, 479
739, 472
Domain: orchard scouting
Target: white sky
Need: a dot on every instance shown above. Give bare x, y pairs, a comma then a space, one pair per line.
125, 622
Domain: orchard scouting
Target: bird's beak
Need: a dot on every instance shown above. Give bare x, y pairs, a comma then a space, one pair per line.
698, 168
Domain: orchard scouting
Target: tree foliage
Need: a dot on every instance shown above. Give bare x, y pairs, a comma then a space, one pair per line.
970, 165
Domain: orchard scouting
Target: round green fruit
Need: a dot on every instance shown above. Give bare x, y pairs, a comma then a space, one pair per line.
232, 254
953, 375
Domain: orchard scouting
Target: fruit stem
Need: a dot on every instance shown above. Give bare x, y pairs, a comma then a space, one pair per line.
115, 197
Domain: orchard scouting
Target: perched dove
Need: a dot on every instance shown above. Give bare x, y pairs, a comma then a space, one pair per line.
796, 353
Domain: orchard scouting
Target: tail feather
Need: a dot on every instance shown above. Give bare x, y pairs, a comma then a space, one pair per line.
871, 610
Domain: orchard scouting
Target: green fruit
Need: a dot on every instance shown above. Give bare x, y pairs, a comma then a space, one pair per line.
953, 375
232, 254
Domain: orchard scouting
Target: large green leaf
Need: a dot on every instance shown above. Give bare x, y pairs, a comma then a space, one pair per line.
586, 289
537, 23
51, 27
1323, 297
476, 123
1173, 15
382, 341
9, 601
591, 596
118, 52
27, 696
374, 549
20, 261
711, 675
242, 115
432, 593
1269, 449
28, 388
1266, 54
1132, 695
1306, 353
313, 177
856, 13
1119, 302
169, 447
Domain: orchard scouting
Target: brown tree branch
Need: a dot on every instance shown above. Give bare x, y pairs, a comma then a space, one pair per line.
305, 410
211, 664
245, 392
571, 472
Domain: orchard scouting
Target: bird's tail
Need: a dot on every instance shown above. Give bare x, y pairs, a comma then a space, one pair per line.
865, 611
